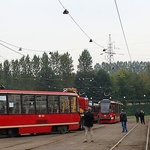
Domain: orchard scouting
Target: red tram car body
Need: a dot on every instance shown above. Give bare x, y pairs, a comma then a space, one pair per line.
83, 105
95, 108
109, 111
32, 112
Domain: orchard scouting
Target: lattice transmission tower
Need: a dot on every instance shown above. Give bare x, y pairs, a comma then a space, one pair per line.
109, 53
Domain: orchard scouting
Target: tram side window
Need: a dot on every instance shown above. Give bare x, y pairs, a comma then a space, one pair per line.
64, 104
3, 108
41, 104
53, 106
117, 108
14, 104
74, 104
113, 108
28, 104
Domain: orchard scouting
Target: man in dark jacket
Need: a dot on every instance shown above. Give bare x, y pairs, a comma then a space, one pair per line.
137, 115
142, 118
88, 124
123, 120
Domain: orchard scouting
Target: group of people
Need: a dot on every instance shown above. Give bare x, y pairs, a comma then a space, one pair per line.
89, 118
139, 115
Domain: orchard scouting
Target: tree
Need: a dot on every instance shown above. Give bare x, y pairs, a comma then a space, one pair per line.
85, 62
6, 74
102, 84
26, 73
55, 63
15, 73
45, 78
1, 74
36, 66
66, 70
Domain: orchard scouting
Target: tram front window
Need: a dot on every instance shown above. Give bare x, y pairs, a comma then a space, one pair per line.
105, 108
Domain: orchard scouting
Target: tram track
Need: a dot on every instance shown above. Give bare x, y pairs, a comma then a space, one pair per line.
60, 138
147, 138
54, 139
119, 144
105, 138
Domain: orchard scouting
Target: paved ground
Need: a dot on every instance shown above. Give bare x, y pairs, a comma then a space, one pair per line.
105, 136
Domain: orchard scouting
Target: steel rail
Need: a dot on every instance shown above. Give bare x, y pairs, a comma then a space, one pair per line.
123, 137
147, 138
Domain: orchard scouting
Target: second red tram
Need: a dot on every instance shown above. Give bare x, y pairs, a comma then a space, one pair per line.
95, 108
109, 111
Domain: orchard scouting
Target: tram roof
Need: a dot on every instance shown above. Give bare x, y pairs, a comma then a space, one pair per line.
111, 101
36, 92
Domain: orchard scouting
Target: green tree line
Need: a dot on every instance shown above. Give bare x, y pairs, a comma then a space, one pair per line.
53, 72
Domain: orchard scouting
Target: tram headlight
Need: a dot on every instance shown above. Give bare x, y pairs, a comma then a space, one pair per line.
111, 117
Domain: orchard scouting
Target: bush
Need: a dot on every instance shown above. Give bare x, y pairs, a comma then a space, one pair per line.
133, 108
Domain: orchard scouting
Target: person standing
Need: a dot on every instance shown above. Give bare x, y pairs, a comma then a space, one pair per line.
88, 124
142, 117
123, 120
137, 115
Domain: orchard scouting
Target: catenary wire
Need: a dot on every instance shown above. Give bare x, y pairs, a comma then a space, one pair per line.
122, 29
20, 47
80, 26
10, 49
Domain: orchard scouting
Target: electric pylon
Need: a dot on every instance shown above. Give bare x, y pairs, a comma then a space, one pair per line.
109, 51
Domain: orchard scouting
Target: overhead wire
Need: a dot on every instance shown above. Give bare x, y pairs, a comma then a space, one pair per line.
122, 29
91, 40
2, 57
21, 48
11, 49
67, 12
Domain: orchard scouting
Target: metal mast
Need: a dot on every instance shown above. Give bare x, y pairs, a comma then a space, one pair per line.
109, 52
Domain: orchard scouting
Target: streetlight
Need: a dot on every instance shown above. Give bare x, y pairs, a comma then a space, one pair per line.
124, 100
144, 97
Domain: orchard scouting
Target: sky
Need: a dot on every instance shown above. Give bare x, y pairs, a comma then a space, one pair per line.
40, 25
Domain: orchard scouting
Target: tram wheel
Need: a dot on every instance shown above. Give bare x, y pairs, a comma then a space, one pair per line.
62, 129
13, 132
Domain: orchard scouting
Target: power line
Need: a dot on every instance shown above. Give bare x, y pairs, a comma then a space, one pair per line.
2, 57
11, 49
123, 30
21, 48
67, 12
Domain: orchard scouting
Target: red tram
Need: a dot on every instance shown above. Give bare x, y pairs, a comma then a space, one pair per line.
83, 105
95, 108
109, 111
32, 112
